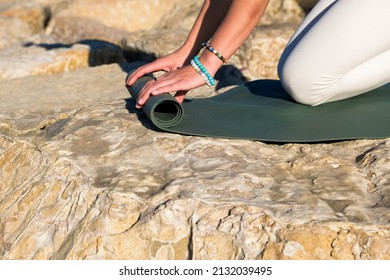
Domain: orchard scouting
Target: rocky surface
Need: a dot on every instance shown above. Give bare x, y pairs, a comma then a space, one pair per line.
83, 175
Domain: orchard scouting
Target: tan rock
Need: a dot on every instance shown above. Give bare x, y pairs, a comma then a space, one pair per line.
164, 14
48, 59
33, 14
282, 12
84, 177
127, 15
70, 30
154, 43
258, 57
13, 31
182, 16
278, 12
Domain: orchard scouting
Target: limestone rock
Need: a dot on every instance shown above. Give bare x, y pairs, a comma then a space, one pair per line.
31, 13
277, 12
182, 16
258, 57
47, 59
163, 14
128, 15
12, 31
148, 45
282, 12
85, 177
68, 30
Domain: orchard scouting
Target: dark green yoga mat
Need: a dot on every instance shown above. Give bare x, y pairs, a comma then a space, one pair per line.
262, 110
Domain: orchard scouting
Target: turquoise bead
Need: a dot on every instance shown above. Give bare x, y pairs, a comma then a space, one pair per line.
203, 70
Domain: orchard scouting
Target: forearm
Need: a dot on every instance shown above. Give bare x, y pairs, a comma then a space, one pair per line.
209, 19
238, 23
227, 23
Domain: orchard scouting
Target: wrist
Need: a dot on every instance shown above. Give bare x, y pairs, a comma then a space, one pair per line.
186, 52
202, 71
211, 62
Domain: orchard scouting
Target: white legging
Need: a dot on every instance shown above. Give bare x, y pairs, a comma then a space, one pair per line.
341, 49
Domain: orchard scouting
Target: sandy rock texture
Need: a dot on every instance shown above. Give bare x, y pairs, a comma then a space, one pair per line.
84, 175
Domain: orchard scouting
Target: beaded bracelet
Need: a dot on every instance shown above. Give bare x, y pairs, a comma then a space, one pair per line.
197, 69
208, 47
197, 65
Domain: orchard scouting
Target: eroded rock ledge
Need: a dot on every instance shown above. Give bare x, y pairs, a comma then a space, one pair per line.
94, 181
83, 175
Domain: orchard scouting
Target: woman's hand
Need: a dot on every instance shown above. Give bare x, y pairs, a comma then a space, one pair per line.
177, 78
180, 81
167, 63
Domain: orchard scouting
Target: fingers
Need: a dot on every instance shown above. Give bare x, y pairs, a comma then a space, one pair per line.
180, 95
143, 70
148, 89
179, 81
154, 87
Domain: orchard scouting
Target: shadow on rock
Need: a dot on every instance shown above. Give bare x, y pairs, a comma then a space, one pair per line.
143, 119
102, 52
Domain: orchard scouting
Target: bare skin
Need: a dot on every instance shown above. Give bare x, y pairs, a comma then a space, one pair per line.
227, 22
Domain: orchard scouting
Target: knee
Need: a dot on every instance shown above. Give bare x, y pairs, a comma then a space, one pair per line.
297, 84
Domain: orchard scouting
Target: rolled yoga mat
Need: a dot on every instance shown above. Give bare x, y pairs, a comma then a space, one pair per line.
262, 110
